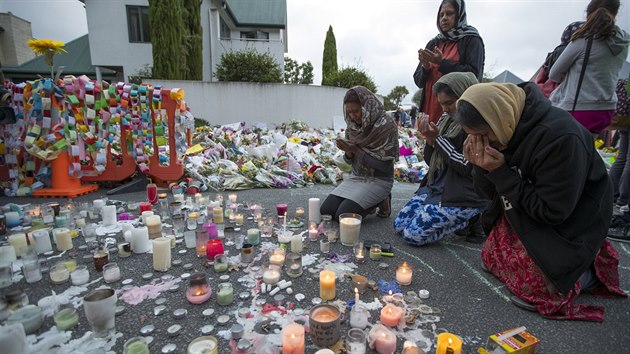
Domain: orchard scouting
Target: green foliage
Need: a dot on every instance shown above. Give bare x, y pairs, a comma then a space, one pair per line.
397, 94
388, 104
167, 30
193, 65
348, 77
144, 72
248, 66
417, 98
295, 73
329, 62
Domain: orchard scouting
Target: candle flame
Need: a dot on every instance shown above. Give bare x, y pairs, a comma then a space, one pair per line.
390, 293
384, 335
450, 341
293, 336
356, 291
404, 264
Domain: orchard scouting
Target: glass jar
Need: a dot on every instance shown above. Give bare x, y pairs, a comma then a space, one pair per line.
293, 264
30, 266
359, 316
175, 208
375, 252
326, 223
356, 341
59, 273
136, 345
100, 257
359, 252
225, 294
220, 263
178, 224
111, 272
80, 275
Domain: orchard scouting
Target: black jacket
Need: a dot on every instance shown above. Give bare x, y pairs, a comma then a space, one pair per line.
553, 189
471, 59
453, 186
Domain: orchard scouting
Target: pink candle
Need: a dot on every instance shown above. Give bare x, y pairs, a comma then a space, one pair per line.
214, 247
391, 315
293, 339
382, 339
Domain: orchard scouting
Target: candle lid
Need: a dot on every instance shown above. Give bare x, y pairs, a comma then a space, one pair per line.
207, 329
169, 348
148, 329
243, 344
237, 331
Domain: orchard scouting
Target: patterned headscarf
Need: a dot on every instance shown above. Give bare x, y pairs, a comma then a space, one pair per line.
500, 105
378, 134
568, 31
461, 28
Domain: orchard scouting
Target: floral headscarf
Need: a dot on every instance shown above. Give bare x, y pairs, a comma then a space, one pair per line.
378, 134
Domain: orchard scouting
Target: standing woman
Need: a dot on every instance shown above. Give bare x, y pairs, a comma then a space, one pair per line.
371, 146
458, 47
593, 105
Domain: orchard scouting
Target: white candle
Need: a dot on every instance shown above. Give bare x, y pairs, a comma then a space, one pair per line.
98, 203
277, 257
154, 226
145, 215
296, 243
232, 197
111, 272
80, 275
356, 295
18, 241
63, 239
313, 210
42, 241
140, 242
404, 274
349, 229
161, 254
7, 254
271, 276
108, 213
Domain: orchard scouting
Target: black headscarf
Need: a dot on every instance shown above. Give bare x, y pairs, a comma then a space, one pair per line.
461, 28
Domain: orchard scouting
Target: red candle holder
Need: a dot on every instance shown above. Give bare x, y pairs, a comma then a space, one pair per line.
281, 208
145, 206
152, 194
213, 248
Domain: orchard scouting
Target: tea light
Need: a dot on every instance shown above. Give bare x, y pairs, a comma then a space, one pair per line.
111, 273
391, 315
217, 215
293, 339
313, 232
327, 290
277, 257
375, 252
294, 265
232, 197
404, 274
324, 246
59, 273
271, 275
382, 339
66, 318
448, 343
18, 241
203, 345
161, 254
299, 212
238, 219
225, 295
359, 252
80, 275
198, 291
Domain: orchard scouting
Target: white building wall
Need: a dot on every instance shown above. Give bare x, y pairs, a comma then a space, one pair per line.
109, 37
229, 102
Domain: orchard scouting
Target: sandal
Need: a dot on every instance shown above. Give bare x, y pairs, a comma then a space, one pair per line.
518, 302
385, 207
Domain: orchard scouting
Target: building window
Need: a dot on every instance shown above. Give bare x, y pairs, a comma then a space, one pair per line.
224, 29
255, 35
138, 24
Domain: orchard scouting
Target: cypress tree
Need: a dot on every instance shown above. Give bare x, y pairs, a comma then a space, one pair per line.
167, 29
192, 25
329, 63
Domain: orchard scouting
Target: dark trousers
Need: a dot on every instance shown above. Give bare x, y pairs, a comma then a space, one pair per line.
335, 206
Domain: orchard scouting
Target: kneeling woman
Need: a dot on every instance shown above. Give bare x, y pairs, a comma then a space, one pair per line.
551, 199
446, 200
371, 146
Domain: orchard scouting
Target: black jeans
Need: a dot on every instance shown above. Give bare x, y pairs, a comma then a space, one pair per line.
335, 206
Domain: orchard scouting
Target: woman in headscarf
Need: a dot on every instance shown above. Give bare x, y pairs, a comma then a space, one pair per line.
446, 200
457, 48
551, 200
371, 146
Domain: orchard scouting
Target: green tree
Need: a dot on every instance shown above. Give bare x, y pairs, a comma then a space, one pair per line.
329, 62
349, 76
417, 98
388, 104
248, 66
167, 29
295, 73
193, 66
397, 94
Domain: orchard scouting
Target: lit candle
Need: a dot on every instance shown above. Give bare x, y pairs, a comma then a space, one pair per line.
238, 219
313, 210
108, 213
18, 241
391, 315
359, 316
299, 212
313, 232
161, 254
327, 288
225, 295
356, 295
271, 275
140, 242
284, 223
217, 215
232, 197
448, 343
214, 247
277, 257
253, 237
198, 290
63, 239
296, 243
375, 252
349, 228
382, 339
293, 339
203, 345
404, 274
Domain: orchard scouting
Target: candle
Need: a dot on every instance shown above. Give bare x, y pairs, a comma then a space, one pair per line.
100, 258
232, 197
324, 246
140, 242
80, 275
201, 238
349, 228
152, 195
327, 285
253, 237
281, 208
313, 232
145, 206
63, 239
198, 290
213, 248
359, 316
144, 215
391, 315
382, 339
410, 347
356, 295
30, 316
18, 241
220, 263
59, 273
66, 318
359, 282
161, 254
404, 274
359, 252
42, 241
277, 257
296, 243
12, 219
217, 215
448, 343
271, 275
203, 345
375, 252
293, 339
313, 210
136, 345
154, 226
225, 295
238, 219
7, 254
355, 341
111, 272
108, 213
299, 212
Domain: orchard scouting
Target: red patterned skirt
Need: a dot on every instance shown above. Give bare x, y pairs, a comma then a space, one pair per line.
504, 256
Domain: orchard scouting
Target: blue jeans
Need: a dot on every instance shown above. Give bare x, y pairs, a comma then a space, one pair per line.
620, 170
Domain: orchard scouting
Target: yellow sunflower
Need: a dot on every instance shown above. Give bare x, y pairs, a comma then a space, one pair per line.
46, 47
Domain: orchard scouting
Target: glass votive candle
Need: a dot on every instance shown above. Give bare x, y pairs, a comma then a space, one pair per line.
136, 345
331, 235
213, 248
238, 219
178, 224
281, 208
313, 231
266, 229
375, 252
232, 197
198, 289
355, 341
124, 249
175, 208
201, 238
145, 206
253, 237
220, 263
111, 272
359, 282
277, 257
225, 294
294, 264
271, 274
247, 253
299, 212
80, 275
404, 274
359, 252
59, 273
66, 318
359, 316
324, 246
203, 345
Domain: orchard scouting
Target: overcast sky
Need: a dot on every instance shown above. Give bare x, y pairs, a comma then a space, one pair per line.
380, 36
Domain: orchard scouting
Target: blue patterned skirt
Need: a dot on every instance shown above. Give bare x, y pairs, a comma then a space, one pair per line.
419, 223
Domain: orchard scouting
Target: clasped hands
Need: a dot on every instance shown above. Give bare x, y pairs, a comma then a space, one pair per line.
349, 148
427, 56
477, 150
